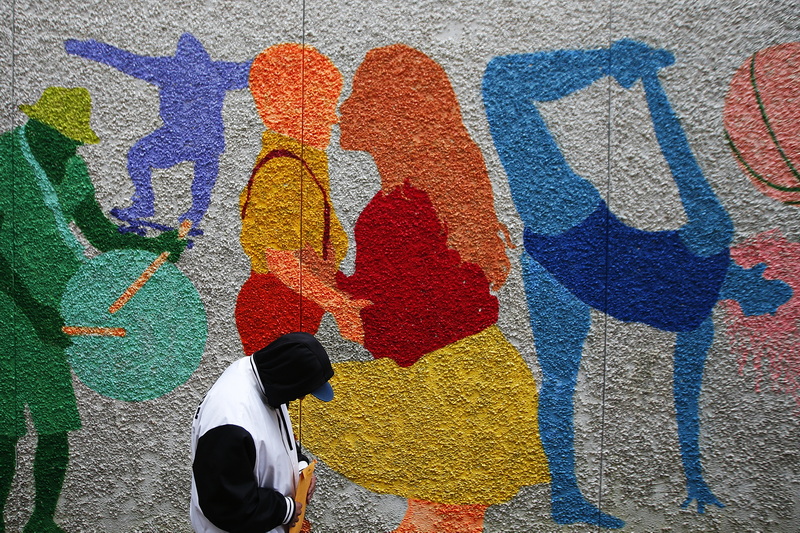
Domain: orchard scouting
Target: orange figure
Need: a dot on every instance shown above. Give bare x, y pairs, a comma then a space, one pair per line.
414, 131
289, 229
449, 420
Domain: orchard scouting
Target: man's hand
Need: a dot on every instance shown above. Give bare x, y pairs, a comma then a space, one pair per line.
298, 508
312, 487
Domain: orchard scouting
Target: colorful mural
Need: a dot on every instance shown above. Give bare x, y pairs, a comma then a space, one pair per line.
289, 229
581, 257
446, 216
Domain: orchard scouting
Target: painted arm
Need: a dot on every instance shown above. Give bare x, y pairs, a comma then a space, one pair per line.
236, 75
46, 321
756, 294
288, 268
549, 196
141, 67
709, 230
104, 235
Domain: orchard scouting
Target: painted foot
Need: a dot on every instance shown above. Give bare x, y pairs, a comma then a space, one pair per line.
575, 509
429, 517
38, 524
703, 495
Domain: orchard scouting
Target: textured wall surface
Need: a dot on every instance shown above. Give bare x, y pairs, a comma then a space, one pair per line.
551, 246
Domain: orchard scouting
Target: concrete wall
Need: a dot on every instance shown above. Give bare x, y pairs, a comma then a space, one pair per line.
461, 418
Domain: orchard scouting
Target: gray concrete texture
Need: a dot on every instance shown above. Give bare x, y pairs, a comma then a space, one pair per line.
129, 466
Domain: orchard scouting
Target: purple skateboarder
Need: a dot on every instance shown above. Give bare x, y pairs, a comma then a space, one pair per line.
192, 88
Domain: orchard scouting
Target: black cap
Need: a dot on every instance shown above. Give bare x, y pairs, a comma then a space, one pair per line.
292, 366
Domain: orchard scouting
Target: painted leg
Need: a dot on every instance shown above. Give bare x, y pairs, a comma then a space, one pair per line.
690, 354
429, 517
49, 469
161, 149
560, 323
8, 466
205, 175
140, 166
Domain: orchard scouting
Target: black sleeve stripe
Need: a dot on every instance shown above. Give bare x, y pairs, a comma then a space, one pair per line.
226, 485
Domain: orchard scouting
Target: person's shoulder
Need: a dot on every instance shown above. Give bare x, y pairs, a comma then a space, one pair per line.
236, 370
238, 380
232, 396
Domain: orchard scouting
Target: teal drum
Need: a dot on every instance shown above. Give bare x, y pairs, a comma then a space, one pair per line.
160, 333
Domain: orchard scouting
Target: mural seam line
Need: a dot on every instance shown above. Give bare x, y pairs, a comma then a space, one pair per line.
300, 167
606, 267
13, 195
302, 146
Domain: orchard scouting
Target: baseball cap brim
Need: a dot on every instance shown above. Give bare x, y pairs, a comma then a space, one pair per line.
324, 393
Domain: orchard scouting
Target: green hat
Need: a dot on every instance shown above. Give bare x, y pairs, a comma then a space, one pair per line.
66, 110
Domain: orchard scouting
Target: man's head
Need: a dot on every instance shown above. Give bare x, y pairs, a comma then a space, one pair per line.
67, 110
296, 89
292, 366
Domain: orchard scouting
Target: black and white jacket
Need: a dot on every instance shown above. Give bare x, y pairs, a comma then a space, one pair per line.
244, 458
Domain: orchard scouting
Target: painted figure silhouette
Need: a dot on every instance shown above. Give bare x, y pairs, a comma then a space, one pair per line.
581, 257
44, 187
447, 403
290, 230
192, 88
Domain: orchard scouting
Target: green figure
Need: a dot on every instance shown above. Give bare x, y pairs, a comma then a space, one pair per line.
45, 186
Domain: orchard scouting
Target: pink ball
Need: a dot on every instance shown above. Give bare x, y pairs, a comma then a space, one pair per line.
762, 120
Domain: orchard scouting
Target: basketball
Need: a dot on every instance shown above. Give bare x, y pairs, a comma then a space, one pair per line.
762, 120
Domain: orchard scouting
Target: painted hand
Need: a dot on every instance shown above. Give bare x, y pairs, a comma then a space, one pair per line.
348, 317
631, 60
48, 323
76, 47
169, 242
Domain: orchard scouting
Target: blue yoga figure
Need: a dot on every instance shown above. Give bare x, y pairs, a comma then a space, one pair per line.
582, 257
192, 89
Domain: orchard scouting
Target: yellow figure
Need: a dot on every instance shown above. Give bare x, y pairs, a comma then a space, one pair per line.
289, 229
455, 428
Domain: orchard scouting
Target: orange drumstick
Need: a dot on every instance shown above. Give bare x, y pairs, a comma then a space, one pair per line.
102, 332
134, 287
